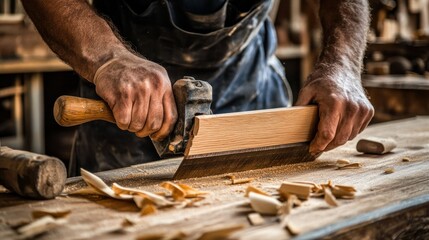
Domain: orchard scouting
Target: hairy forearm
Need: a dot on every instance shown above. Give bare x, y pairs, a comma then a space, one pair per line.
345, 25
75, 33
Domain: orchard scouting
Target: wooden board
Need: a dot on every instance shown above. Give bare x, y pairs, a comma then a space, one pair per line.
250, 130
236, 142
386, 205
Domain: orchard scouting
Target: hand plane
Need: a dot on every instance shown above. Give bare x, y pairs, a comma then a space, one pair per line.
210, 153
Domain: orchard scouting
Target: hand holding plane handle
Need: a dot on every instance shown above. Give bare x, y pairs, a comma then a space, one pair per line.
193, 97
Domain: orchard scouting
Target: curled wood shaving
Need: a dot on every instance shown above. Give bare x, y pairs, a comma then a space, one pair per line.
330, 198
154, 198
349, 166
406, 159
389, 170
176, 191
255, 219
264, 204
95, 182
48, 212
287, 206
220, 232
241, 180
250, 189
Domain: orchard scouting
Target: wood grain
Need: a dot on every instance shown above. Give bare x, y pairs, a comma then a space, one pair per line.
252, 129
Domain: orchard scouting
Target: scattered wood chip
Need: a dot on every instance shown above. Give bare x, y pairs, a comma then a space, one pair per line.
48, 212
343, 162
264, 204
374, 145
330, 198
250, 189
302, 191
176, 191
95, 182
220, 232
389, 170
314, 186
406, 159
349, 166
241, 180
40, 226
342, 193
346, 188
255, 219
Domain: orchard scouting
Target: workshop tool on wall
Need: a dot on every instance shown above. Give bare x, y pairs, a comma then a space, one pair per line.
31, 175
215, 144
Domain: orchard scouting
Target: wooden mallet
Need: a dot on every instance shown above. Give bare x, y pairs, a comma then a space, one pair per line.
31, 175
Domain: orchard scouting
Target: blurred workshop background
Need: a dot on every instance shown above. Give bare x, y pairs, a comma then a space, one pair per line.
396, 69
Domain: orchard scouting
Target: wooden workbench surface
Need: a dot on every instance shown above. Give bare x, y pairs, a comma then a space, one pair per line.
394, 204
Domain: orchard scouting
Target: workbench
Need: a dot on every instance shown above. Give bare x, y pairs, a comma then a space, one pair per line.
386, 206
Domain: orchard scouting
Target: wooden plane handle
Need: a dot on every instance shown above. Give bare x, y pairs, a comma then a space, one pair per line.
71, 111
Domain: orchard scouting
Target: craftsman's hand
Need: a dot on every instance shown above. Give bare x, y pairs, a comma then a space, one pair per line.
139, 93
344, 109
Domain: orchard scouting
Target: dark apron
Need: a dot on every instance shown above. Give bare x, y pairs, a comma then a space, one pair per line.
236, 58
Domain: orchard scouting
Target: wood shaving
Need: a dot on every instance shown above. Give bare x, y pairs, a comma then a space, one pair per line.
255, 219
241, 180
264, 204
155, 198
191, 192
250, 189
389, 170
343, 162
222, 232
349, 166
99, 185
48, 212
176, 191
341, 193
406, 159
330, 198
346, 188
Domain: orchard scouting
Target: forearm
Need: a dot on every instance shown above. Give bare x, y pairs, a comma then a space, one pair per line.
75, 33
345, 25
